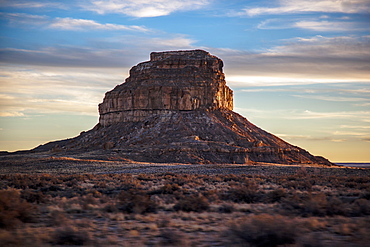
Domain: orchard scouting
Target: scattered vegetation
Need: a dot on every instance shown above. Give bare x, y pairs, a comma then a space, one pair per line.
304, 208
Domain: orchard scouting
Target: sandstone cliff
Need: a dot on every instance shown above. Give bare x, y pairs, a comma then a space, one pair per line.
177, 108
170, 81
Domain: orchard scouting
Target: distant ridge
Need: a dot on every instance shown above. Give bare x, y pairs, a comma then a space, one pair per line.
355, 164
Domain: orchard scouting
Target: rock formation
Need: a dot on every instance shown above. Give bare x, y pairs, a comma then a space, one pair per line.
170, 81
177, 108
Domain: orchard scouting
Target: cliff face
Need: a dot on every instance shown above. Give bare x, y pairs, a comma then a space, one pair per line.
177, 108
170, 81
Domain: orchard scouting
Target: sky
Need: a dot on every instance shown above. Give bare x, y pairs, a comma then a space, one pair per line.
299, 69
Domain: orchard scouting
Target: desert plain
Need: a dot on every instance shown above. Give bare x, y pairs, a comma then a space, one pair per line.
54, 200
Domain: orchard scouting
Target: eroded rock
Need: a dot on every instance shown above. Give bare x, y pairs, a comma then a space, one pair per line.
170, 81
177, 108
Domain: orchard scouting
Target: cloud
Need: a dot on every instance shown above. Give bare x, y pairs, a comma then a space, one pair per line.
358, 115
32, 4
64, 56
67, 23
10, 114
363, 105
332, 98
172, 42
143, 8
275, 24
309, 138
313, 24
300, 61
301, 6
330, 26
320, 46
126, 52
366, 139
83, 24
355, 126
349, 133
29, 90
24, 19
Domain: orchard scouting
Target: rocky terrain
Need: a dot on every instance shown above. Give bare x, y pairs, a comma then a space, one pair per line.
177, 108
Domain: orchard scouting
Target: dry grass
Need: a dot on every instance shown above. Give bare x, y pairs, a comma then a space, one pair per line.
298, 207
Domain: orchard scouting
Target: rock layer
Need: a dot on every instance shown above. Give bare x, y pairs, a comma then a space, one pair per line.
170, 81
177, 108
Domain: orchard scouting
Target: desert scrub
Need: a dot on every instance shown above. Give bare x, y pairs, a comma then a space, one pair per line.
171, 237
263, 231
135, 201
275, 195
192, 203
14, 209
247, 192
70, 236
308, 204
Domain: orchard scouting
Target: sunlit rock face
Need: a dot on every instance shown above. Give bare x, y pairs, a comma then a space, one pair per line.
170, 81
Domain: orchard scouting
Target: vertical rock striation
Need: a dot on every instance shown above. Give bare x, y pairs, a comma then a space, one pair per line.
170, 81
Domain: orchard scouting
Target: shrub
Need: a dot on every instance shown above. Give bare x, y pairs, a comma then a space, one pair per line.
275, 195
135, 201
172, 238
361, 207
226, 208
193, 203
58, 218
316, 205
70, 236
13, 209
166, 189
32, 196
263, 231
247, 193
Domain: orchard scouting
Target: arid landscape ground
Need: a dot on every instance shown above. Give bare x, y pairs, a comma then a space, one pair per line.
54, 201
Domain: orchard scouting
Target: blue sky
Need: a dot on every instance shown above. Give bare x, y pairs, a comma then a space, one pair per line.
300, 69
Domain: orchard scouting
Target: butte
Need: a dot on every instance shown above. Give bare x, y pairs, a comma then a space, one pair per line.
177, 108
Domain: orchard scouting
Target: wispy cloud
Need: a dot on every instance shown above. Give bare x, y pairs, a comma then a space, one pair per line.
366, 139
24, 19
310, 138
348, 133
313, 24
301, 6
355, 126
332, 98
321, 46
11, 114
316, 59
83, 24
170, 42
143, 8
65, 56
65, 23
363, 104
32, 4
330, 26
294, 114
42, 90
307, 114
128, 51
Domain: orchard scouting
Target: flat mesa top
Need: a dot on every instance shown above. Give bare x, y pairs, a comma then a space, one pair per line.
156, 56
